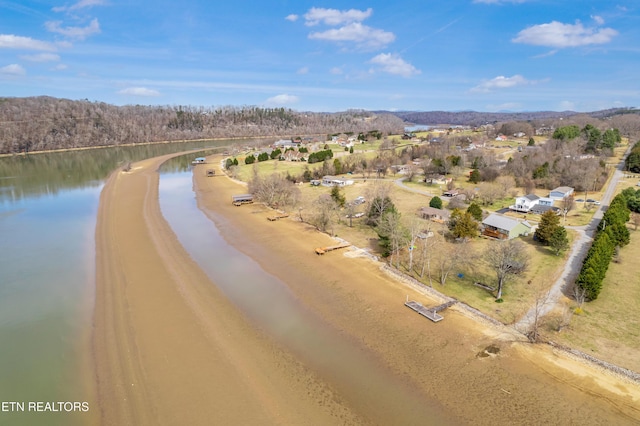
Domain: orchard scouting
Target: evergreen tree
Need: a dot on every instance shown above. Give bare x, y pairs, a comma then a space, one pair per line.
435, 202
549, 222
475, 211
474, 176
559, 241
338, 196
463, 225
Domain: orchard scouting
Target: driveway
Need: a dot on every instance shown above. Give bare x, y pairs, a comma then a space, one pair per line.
574, 263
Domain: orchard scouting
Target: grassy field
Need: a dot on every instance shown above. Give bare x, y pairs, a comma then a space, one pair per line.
518, 295
609, 327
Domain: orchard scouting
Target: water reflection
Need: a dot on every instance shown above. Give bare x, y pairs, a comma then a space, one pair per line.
36, 175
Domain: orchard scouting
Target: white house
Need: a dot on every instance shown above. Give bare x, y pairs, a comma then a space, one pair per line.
284, 143
335, 181
560, 193
527, 202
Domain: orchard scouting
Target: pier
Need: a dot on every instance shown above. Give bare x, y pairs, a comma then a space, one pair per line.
431, 313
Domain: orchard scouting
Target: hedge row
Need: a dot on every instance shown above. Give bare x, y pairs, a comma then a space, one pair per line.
612, 232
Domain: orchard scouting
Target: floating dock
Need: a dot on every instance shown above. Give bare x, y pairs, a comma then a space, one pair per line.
431, 313
323, 250
277, 217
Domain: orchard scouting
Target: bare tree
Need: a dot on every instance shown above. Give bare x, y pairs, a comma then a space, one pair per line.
416, 227
542, 300
274, 190
507, 259
506, 183
429, 242
392, 229
635, 219
449, 258
325, 211
566, 205
580, 295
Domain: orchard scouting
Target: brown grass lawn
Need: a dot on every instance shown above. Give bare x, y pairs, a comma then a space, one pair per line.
609, 327
519, 294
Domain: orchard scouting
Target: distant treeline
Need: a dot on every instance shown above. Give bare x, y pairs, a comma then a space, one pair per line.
45, 123
475, 118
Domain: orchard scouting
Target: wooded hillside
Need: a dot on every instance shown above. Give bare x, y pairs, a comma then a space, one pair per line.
45, 123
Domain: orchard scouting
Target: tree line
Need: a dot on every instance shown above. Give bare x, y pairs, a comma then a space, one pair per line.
45, 123
611, 234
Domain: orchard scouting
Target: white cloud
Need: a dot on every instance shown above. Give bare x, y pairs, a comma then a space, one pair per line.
335, 17
79, 5
336, 71
13, 70
77, 33
10, 41
293, 17
502, 82
598, 19
365, 37
139, 91
283, 99
394, 64
41, 57
559, 35
303, 71
60, 67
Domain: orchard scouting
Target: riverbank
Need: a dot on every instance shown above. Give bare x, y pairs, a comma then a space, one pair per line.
169, 348
361, 300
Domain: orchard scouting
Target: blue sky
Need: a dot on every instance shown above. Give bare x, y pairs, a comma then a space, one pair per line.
483, 55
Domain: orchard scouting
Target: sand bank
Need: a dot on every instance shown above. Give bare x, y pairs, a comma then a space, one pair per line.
169, 348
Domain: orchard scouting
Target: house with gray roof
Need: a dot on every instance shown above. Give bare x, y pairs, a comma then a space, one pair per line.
504, 227
561, 192
526, 203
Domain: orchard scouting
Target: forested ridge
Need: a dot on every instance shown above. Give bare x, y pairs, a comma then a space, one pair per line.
45, 123
476, 118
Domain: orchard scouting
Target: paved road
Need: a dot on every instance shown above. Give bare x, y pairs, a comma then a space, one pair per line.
576, 257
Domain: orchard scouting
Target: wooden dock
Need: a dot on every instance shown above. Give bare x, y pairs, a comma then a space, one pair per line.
431, 313
277, 217
323, 250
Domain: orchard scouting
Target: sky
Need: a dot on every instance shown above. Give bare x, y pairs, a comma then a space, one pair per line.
326, 56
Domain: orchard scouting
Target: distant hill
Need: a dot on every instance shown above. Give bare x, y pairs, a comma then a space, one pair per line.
474, 118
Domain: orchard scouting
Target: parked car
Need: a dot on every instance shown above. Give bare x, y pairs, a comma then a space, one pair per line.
592, 201
359, 200
579, 200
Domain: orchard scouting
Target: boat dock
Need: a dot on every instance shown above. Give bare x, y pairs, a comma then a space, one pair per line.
431, 313
323, 250
277, 217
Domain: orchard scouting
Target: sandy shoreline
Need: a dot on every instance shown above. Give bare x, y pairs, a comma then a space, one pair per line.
169, 348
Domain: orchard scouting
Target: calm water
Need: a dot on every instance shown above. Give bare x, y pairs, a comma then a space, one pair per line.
268, 301
48, 206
